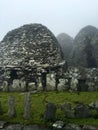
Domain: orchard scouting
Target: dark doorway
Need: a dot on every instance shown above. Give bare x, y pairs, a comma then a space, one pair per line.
44, 80
13, 75
82, 87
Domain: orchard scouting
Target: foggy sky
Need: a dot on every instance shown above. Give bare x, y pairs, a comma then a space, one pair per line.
59, 16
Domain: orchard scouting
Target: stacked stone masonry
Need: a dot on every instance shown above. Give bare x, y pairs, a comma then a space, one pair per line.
52, 78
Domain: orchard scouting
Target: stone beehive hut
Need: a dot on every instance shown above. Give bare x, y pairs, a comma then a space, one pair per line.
66, 43
26, 53
85, 51
32, 45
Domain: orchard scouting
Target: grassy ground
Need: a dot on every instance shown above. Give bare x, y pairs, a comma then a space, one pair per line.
38, 106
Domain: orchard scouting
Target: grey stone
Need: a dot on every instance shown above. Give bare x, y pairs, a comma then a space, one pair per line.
69, 114
15, 86
22, 85
58, 125
31, 86
96, 104
68, 111
61, 85
18, 85
24, 53
92, 105
66, 106
50, 82
88, 127
2, 124
50, 113
34, 127
27, 106
74, 84
31, 127
5, 86
15, 127
72, 127
27, 47
82, 111
91, 88
11, 107
40, 87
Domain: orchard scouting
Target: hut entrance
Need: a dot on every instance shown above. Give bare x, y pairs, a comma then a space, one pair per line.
44, 81
13, 75
82, 85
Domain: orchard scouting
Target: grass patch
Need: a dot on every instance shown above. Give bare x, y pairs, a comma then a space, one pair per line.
39, 103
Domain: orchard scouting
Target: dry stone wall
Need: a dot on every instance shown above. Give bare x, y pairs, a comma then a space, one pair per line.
27, 55
31, 59
74, 79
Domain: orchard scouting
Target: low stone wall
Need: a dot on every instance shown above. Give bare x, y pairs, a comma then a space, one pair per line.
56, 126
5, 126
31, 79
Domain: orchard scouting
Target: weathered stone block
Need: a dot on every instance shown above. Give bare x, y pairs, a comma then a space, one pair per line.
27, 106
50, 113
12, 107
82, 111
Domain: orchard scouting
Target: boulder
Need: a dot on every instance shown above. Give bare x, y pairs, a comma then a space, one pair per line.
15, 127
82, 111
88, 127
34, 127
67, 109
58, 125
31, 127
2, 124
72, 127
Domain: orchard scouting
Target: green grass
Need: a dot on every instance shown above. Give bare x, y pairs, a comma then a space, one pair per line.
38, 106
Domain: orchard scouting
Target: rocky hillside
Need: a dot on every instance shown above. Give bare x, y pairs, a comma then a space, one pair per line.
85, 52
66, 43
32, 45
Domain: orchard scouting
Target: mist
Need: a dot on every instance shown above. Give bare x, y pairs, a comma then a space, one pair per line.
59, 16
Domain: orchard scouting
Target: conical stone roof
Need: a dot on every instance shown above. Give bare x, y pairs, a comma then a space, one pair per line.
66, 43
85, 52
30, 45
